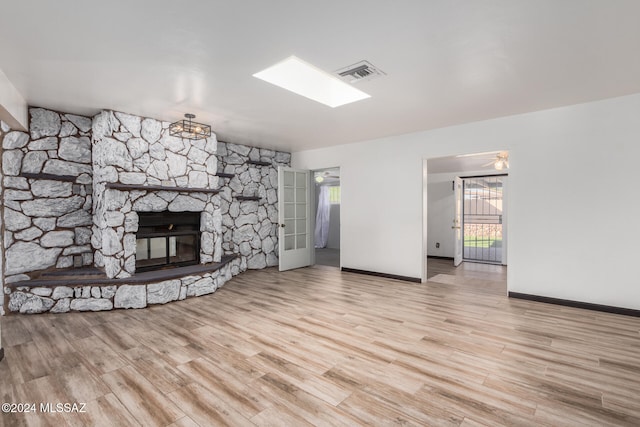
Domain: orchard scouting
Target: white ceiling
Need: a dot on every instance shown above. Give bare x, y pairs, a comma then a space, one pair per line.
447, 61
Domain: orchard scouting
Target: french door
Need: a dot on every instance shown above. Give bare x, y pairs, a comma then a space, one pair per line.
294, 218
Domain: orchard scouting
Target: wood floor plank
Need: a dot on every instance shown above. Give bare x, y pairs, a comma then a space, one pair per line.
368, 410
310, 408
116, 337
100, 356
106, 410
163, 375
226, 386
205, 408
184, 422
318, 346
414, 406
279, 416
306, 380
15, 331
27, 362
146, 403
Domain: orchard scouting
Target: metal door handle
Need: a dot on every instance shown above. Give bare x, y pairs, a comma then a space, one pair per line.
282, 225
454, 227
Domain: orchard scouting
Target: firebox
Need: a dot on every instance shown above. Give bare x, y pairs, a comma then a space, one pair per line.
167, 239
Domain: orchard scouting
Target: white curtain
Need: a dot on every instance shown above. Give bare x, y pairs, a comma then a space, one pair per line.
322, 218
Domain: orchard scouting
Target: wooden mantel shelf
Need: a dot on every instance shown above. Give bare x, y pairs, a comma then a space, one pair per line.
132, 187
258, 163
225, 175
49, 176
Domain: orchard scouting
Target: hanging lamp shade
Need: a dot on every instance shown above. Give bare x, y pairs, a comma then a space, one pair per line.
188, 129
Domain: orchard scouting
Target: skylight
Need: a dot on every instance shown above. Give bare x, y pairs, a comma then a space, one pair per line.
300, 77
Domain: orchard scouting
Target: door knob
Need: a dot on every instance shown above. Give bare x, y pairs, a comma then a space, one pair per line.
282, 225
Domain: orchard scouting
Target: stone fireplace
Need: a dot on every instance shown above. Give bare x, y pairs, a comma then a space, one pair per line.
117, 196
139, 168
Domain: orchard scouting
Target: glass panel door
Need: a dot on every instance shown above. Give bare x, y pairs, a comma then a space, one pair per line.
293, 201
482, 219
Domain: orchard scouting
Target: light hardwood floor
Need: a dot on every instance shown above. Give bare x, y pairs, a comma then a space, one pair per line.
319, 347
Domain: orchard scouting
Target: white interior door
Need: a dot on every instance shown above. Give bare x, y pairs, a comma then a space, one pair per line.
294, 216
457, 222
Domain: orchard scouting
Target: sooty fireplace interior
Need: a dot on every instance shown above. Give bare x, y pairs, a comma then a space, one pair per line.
167, 239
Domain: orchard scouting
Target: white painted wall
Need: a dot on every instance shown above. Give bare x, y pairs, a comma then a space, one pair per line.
371, 236
441, 203
572, 184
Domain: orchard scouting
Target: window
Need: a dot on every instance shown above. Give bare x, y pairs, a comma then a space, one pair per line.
334, 195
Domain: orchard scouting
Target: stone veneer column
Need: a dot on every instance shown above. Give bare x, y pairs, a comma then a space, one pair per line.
139, 151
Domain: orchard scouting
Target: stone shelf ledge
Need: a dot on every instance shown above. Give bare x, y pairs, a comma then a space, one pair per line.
246, 198
132, 187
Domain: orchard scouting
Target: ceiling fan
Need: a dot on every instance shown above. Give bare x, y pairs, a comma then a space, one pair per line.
321, 176
500, 162
499, 159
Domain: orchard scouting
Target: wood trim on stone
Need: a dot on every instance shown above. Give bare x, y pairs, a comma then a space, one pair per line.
136, 279
49, 176
225, 175
132, 187
258, 163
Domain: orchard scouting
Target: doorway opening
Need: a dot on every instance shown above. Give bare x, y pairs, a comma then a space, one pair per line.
482, 218
327, 216
444, 219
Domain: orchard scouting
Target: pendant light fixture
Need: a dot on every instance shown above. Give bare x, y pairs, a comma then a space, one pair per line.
189, 129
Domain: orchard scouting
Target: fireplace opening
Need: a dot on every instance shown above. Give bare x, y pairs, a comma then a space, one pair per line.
167, 239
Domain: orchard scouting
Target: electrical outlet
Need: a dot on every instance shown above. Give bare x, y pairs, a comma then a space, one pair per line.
437, 245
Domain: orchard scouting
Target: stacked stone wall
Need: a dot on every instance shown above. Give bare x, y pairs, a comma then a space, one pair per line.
47, 194
250, 227
4, 128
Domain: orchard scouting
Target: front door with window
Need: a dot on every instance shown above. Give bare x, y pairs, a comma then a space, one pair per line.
482, 218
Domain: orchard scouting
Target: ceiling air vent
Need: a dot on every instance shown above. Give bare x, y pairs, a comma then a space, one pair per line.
359, 71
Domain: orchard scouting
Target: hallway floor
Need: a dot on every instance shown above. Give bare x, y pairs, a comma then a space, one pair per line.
328, 256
